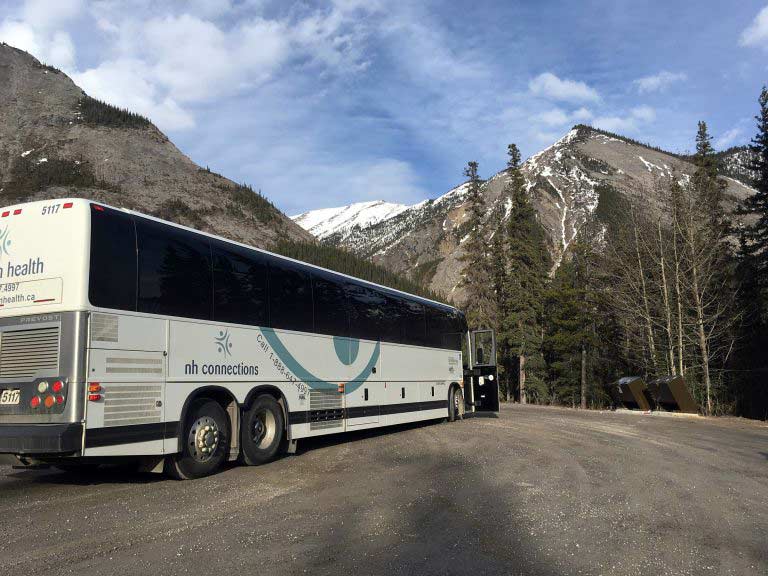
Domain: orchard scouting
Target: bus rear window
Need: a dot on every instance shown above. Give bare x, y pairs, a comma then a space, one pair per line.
112, 279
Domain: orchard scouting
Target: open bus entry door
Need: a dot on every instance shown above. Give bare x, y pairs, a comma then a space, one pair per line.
481, 382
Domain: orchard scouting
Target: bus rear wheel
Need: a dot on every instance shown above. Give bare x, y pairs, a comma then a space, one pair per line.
204, 442
455, 404
262, 431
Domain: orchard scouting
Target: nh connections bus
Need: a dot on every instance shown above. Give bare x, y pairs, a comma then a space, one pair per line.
122, 335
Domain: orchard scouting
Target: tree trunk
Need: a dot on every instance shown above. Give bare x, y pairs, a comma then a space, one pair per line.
679, 298
702, 334
523, 399
583, 377
667, 309
646, 306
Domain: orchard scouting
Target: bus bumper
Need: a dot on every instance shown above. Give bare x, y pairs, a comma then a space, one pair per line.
41, 439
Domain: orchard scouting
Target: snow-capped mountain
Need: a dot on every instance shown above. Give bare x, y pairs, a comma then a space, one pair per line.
585, 172
342, 221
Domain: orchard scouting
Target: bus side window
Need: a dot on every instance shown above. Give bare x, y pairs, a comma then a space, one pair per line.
415, 324
112, 282
239, 284
367, 308
330, 305
392, 322
290, 296
175, 276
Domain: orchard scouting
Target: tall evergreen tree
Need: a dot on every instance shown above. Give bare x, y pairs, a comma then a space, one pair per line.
476, 277
755, 235
527, 266
753, 275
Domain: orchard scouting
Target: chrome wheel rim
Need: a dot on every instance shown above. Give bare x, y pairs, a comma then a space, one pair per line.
203, 439
263, 428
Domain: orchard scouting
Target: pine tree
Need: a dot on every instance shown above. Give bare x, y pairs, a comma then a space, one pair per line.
755, 235
570, 335
752, 273
703, 232
527, 265
476, 278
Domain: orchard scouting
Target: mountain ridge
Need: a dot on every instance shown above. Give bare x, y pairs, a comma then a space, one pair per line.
566, 181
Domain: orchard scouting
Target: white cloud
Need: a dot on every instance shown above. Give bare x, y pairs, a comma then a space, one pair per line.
629, 122
728, 138
54, 48
550, 86
124, 83
756, 34
559, 117
658, 82
45, 14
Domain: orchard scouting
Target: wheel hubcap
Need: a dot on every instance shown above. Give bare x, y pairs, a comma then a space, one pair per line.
263, 429
204, 439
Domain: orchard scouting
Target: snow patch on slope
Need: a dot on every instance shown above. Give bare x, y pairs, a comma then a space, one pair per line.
327, 221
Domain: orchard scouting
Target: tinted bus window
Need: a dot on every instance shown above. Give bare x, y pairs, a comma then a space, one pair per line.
290, 296
240, 285
444, 328
414, 323
367, 311
112, 282
330, 305
392, 321
174, 271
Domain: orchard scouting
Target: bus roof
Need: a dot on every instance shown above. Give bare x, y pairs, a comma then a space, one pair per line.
380, 286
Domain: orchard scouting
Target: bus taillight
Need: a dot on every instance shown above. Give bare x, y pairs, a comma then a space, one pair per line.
35, 402
94, 389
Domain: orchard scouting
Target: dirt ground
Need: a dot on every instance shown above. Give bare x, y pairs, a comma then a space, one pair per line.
532, 491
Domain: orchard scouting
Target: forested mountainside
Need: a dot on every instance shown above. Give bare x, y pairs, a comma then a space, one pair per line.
56, 141
586, 172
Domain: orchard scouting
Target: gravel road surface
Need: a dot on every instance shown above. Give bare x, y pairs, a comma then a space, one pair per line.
533, 491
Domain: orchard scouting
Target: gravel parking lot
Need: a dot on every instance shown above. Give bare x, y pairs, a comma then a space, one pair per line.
533, 491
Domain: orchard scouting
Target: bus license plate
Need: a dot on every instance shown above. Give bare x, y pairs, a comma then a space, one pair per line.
10, 397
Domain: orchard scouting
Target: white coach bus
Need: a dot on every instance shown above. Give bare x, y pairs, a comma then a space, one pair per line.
122, 335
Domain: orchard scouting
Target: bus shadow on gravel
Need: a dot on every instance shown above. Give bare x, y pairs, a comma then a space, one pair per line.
433, 513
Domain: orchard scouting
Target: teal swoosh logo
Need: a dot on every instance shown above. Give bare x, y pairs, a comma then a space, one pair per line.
310, 379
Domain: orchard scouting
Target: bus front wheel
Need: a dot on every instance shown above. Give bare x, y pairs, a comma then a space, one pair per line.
455, 404
204, 442
262, 431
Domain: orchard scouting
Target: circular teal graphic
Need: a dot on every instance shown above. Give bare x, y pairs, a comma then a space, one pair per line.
346, 349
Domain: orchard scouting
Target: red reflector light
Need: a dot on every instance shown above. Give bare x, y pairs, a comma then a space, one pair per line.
59, 399
94, 387
49, 401
97, 207
57, 386
67, 204
35, 402
17, 212
94, 397
6, 213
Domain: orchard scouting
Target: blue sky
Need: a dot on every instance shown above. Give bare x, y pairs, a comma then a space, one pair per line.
325, 103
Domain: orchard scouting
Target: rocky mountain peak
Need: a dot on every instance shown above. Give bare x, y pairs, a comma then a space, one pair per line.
56, 141
581, 174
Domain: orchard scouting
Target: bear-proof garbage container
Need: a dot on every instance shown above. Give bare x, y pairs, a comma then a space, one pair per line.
629, 392
670, 393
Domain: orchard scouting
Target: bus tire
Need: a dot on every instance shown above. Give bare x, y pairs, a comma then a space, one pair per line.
204, 442
262, 431
455, 404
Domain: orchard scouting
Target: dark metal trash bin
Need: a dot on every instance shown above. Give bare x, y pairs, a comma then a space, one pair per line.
629, 392
671, 393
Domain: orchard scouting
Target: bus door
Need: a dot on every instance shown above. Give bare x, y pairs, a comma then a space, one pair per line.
481, 383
